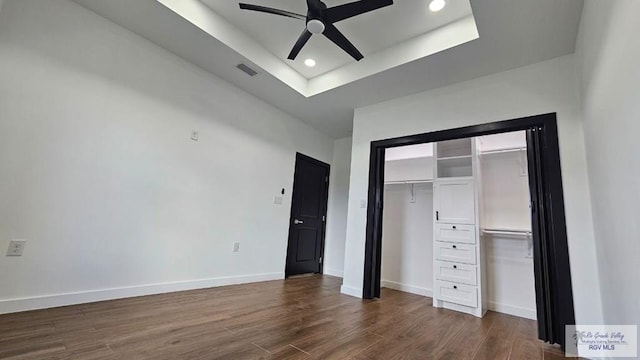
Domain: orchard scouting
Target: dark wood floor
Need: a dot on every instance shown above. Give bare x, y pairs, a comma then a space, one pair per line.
301, 318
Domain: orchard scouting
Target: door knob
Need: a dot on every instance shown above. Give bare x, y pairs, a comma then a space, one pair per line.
296, 221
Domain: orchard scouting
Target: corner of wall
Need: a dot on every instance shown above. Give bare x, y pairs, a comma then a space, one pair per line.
337, 213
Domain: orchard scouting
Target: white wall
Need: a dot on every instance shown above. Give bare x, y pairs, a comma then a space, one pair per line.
540, 88
608, 53
100, 176
505, 191
407, 239
337, 215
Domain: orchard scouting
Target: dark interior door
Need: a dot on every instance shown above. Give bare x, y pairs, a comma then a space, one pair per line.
554, 296
308, 216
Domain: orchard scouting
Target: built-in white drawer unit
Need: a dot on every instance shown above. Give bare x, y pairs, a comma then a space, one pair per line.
457, 293
459, 273
459, 253
456, 233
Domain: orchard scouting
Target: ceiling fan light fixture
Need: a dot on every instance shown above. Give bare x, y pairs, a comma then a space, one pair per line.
320, 19
436, 5
310, 63
315, 26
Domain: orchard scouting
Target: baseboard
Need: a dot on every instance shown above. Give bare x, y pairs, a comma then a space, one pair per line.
82, 297
333, 272
406, 288
351, 291
512, 310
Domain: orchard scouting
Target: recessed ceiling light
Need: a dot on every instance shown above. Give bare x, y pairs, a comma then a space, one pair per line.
437, 5
310, 62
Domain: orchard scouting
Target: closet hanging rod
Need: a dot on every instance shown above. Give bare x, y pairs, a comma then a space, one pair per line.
408, 182
524, 233
501, 151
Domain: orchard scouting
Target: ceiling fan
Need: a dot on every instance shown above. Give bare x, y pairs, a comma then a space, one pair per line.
320, 20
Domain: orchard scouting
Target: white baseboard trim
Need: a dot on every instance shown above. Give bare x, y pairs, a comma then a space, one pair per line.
351, 291
512, 310
82, 297
406, 288
333, 272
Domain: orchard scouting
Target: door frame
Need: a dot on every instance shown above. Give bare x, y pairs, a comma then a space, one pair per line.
300, 156
551, 253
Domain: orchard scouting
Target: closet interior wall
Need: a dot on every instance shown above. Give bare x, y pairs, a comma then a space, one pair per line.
505, 206
407, 256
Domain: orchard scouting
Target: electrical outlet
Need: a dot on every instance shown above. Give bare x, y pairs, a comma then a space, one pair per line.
16, 247
236, 246
363, 204
277, 200
195, 135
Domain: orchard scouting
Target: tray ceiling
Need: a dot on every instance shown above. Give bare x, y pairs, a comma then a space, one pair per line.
388, 37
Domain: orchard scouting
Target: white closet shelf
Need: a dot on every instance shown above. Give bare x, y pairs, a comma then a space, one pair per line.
455, 178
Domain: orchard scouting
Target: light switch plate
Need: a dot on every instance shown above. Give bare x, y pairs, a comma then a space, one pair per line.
236, 247
195, 135
16, 247
277, 200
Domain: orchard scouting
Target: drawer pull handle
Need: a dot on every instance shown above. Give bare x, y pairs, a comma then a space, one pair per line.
455, 287
454, 227
455, 266
455, 247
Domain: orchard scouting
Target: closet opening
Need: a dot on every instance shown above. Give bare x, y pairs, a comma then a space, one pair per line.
473, 218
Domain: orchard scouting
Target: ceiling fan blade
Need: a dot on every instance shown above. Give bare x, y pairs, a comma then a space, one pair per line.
269, 10
302, 40
333, 34
341, 12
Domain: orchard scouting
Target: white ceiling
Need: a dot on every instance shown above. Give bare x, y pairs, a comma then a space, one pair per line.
513, 33
369, 32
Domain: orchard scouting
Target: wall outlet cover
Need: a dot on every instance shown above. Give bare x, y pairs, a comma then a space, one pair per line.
236, 247
16, 247
195, 135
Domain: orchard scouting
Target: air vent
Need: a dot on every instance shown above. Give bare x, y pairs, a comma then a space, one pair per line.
247, 70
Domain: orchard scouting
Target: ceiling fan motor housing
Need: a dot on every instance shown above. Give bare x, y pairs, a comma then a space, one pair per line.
315, 21
315, 26
320, 20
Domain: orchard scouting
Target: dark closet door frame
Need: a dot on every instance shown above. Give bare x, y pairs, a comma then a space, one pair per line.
554, 295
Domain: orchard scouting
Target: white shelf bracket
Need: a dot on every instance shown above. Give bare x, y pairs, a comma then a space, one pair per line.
413, 193
524, 171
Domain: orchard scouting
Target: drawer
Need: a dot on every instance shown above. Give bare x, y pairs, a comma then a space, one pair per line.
456, 233
457, 293
460, 253
458, 273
